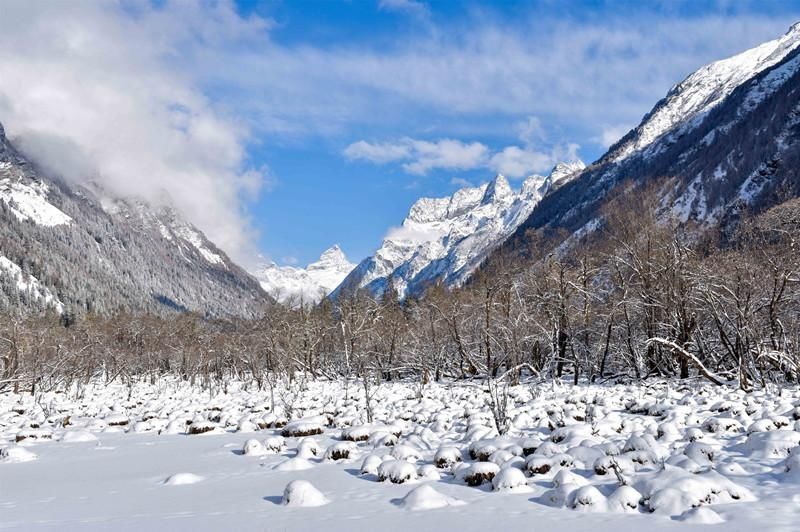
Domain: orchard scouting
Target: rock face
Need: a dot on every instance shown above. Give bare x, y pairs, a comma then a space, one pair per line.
446, 239
76, 248
292, 285
725, 139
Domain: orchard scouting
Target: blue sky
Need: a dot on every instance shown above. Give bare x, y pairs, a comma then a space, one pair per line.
282, 127
320, 196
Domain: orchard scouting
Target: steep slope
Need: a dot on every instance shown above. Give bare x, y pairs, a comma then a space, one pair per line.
75, 248
445, 239
292, 285
724, 140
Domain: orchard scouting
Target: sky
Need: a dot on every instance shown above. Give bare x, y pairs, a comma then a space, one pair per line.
282, 127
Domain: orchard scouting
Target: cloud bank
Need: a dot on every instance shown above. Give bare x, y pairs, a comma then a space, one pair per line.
101, 91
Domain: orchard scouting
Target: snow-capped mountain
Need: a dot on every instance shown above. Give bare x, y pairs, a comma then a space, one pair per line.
723, 140
688, 102
445, 239
76, 248
291, 285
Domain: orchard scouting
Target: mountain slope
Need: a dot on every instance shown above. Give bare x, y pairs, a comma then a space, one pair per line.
446, 239
74, 248
724, 139
292, 285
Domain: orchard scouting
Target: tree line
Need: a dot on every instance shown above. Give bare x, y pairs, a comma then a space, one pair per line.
640, 295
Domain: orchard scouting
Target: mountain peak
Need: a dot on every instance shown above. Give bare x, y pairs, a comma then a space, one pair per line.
498, 190
292, 285
331, 257
564, 170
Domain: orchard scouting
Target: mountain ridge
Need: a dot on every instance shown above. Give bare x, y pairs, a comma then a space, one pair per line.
445, 239
75, 248
292, 285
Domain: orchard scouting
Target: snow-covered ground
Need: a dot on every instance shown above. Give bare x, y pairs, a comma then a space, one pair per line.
113, 457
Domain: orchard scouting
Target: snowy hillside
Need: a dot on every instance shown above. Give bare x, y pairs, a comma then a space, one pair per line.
445, 239
288, 284
76, 248
723, 140
689, 101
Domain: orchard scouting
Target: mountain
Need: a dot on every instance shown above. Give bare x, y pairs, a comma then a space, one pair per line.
77, 248
446, 239
292, 285
722, 141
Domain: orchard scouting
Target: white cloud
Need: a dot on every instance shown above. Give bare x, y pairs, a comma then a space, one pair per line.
418, 157
460, 182
99, 91
531, 131
446, 154
485, 70
517, 162
611, 134
378, 153
421, 156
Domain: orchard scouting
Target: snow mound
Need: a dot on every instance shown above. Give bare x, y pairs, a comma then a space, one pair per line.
303, 427
253, 447
16, 454
302, 493
701, 516
78, 436
396, 471
183, 479
426, 498
294, 464
510, 479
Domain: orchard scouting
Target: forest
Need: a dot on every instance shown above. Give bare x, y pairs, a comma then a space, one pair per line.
640, 297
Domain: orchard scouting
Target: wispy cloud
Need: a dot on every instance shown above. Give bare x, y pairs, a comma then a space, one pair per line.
418, 157
421, 156
573, 72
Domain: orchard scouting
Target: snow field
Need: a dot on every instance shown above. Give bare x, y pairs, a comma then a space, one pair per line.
665, 455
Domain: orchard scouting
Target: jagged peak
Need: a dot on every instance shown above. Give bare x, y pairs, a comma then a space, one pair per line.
564, 170
497, 190
331, 257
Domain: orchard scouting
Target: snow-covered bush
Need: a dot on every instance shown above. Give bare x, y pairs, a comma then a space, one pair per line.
303, 427
253, 447
508, 479
480, 472
203, 427
302, 493
340, 451
396, 471
624, 499
446, 456
587, 499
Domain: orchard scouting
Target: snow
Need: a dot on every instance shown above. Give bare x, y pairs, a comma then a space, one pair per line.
689, 101
193, 237
447, 238
183, 479
670, 455
426, 497
303, 493
288, 284
28, 201
30, 285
